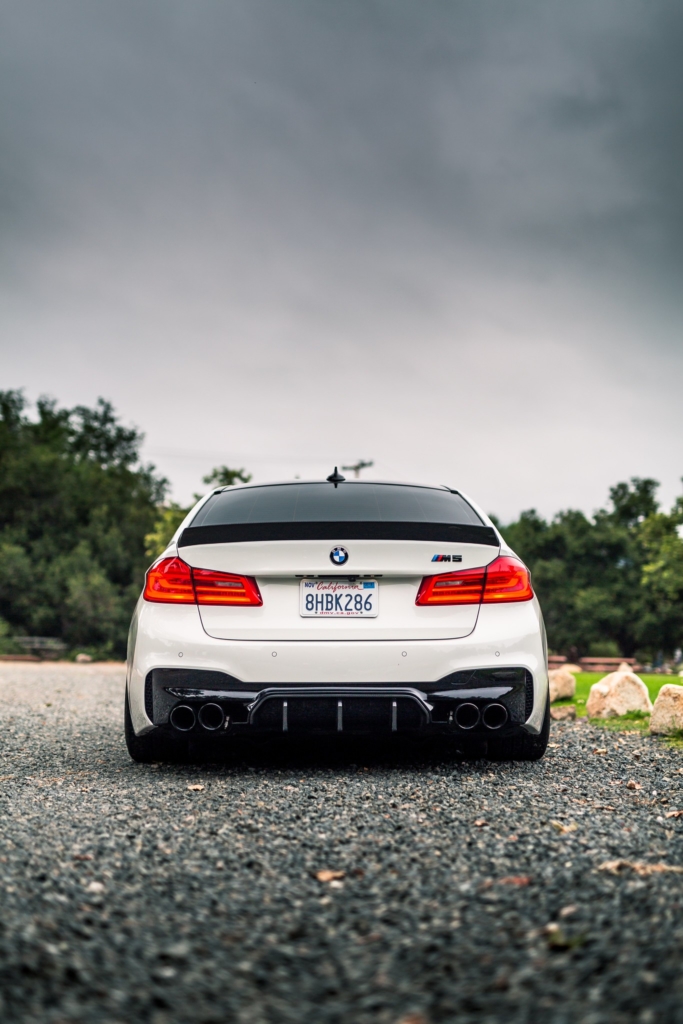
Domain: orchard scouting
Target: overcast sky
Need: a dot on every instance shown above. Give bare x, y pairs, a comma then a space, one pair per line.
446, 235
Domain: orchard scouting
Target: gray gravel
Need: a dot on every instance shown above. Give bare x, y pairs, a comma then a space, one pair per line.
128, 896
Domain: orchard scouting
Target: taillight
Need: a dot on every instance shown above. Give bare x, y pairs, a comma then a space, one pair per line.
225, 588
463, 587
506, 579
173, 581
170, 580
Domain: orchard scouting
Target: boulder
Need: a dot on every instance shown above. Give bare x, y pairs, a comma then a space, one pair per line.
81, 658
562, 684
565, 713
617, 694
667, 715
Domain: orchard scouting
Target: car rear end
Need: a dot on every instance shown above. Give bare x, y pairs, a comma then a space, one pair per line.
338, 608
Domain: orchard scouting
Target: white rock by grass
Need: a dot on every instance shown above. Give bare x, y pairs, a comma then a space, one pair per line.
667, 716
617, 694
562, 684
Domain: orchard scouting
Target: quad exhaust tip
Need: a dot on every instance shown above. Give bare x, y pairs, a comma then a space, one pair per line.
211, 717
467, 715
182, 717
494, 716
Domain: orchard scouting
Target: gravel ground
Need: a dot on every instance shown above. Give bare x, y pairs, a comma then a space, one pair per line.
471, 891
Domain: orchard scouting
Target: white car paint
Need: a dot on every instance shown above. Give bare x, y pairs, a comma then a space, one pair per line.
406, 644
173, 637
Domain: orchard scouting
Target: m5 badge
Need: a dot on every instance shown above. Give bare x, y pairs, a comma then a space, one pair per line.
446, 558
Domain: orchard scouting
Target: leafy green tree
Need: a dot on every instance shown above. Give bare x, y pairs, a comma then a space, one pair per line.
75, 507
613, 582
169, 518
7, 643
661, 537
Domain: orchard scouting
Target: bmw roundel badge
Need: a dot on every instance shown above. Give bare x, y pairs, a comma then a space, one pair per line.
339, 556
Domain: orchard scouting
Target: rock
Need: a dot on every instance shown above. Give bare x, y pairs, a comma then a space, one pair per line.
572, 668
83, 657
667, 715
562, 684
565, 713
617, 694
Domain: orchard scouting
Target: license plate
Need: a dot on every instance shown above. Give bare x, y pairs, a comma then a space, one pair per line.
339, 599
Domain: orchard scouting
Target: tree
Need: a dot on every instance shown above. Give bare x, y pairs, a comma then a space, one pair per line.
613, 582
169, 518
75, 506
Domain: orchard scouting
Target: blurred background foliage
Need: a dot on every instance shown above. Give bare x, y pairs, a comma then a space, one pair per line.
610, 584
75, 506
81, 518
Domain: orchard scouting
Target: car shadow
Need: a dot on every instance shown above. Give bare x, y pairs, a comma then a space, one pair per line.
338, 753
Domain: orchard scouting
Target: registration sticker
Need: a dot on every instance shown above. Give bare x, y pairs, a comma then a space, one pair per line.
343, 599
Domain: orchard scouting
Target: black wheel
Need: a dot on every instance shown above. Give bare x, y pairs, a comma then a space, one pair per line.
151, 746
524, 747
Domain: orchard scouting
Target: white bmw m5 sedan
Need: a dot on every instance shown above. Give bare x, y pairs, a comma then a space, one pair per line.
337, 607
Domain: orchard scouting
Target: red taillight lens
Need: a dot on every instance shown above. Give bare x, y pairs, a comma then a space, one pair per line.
506, 579
170, 580
173, 581
452, 588
225, 588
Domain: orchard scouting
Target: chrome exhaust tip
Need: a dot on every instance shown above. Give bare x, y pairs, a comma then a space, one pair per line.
182, 717
467, 715
211, 717
494, 716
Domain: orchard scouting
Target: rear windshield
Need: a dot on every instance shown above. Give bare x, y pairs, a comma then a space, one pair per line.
322, 502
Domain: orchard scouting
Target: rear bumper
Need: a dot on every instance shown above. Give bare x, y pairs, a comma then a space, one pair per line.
506, 637
207, 703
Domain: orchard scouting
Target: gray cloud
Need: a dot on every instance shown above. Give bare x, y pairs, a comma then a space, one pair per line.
444, 235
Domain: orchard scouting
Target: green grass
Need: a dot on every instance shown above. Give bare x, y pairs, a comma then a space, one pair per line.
633, 721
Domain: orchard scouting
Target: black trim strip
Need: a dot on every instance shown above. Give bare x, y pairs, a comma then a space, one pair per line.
462, 533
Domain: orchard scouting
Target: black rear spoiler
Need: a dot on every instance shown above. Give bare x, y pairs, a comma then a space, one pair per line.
458, 533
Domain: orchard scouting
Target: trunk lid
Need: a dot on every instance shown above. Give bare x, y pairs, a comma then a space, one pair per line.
279, 566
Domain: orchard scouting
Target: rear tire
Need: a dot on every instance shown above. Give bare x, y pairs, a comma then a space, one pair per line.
524, 747
151, 746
